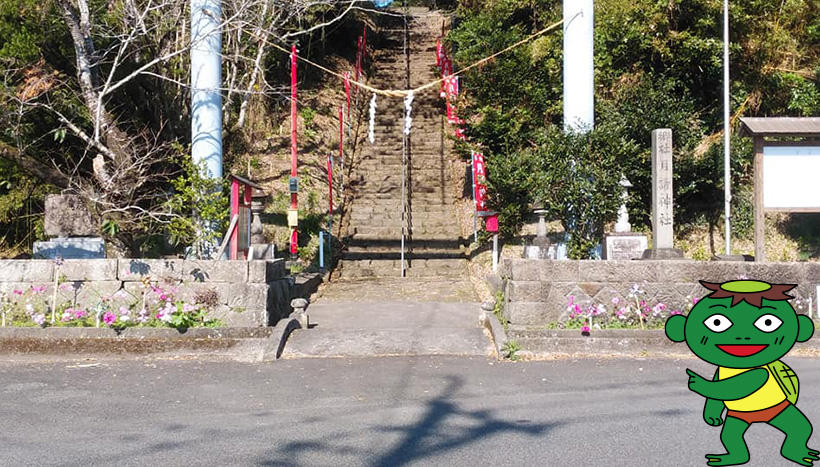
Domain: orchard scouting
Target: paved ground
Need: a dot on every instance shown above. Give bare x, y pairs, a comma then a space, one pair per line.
363, 329
391, 316
372, 411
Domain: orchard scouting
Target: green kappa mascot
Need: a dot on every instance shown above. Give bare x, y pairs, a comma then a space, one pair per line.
745, 327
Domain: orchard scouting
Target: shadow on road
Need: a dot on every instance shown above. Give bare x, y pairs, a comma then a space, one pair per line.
443, 426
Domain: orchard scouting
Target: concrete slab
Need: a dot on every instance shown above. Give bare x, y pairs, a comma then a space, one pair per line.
356, 329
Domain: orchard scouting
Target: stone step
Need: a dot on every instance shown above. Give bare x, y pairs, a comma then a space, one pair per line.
357, 215
391, 267
387, 228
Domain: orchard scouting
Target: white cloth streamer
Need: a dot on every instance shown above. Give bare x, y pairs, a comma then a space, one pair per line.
408, 107
370, 131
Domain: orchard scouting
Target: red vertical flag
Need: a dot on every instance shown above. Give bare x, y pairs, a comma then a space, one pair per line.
480, 174
293, 153
347, 92
364, 43
330, 181
341, 136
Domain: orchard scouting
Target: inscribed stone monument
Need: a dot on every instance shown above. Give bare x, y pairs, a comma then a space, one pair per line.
68, 219
662, 204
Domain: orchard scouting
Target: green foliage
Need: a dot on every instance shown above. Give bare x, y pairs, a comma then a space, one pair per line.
197, 201
498, 310
658, 65
510, 350
577, 177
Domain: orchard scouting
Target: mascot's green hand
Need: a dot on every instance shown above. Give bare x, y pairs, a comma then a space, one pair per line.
697, 383
712, 411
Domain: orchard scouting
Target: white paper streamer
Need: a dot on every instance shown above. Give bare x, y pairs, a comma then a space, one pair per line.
408, 107
370, 132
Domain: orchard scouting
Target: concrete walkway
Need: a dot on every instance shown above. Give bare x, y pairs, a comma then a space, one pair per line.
367, 329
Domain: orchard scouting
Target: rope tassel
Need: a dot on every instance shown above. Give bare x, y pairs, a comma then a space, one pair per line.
370, 132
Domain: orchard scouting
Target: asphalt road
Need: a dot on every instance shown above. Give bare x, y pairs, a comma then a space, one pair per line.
454, 411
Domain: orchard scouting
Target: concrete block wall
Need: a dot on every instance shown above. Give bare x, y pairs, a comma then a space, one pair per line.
536, 291
249, 293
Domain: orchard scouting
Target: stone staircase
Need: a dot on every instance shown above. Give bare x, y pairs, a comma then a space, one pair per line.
434, 244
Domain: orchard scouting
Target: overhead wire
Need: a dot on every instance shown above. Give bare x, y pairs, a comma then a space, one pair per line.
401, 93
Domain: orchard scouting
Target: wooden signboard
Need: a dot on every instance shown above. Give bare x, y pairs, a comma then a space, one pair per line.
786, 164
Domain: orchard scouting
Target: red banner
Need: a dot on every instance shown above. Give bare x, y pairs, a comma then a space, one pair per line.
364, 43
347, 91
330, 181
293, 153
358, 60
460, 133
446, 70
480, 178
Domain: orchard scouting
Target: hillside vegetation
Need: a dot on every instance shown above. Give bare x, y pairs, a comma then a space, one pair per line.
94, 99
658, 64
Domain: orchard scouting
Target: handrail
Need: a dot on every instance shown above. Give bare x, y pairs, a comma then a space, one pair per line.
404, 141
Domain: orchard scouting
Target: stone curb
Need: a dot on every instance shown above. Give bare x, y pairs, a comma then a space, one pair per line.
240, 343
275, 344
498, 336
545, 342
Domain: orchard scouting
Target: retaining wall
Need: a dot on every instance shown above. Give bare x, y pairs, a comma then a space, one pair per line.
536, 292
247, 293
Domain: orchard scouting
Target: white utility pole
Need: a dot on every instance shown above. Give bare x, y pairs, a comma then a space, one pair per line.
727, 171
579, 81
206, 81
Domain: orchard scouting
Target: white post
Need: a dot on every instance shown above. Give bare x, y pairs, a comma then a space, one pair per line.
475, 211
206, 80
727, 173
321, 250
579, 81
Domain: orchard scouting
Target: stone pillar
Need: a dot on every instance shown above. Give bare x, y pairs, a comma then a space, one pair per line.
662, 198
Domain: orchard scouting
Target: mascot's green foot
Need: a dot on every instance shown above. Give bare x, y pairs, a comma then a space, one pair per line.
800, 454
727, 459
797, 429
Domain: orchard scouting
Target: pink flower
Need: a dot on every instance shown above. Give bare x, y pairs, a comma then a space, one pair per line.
66, 316
695, 300
109, 317
675, 312
17, 292
585, 329
643, 303
615, 300
40, 319
38, 289
78, 314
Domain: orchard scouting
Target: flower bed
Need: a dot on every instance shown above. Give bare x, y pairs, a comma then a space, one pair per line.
155, 305
126, 292
635, 311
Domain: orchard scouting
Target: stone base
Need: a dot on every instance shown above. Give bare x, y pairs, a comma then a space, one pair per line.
624, 246
538, 252
70, 248
263, 250
733, 258
663, 253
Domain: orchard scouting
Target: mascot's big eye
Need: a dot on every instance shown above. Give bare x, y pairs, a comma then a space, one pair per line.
768, 323
718, 323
